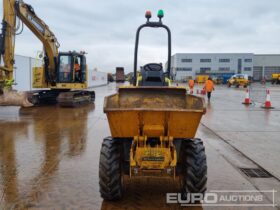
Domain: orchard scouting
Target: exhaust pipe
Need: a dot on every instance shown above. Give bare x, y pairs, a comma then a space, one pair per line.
14, 98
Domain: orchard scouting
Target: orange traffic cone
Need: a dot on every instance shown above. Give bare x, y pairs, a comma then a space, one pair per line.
247, 100
203, 92
267, 103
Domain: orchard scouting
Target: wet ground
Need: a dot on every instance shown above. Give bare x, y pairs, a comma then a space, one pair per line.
49, 155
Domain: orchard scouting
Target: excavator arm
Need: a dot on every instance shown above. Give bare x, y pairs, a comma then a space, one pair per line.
17, 8
7, 41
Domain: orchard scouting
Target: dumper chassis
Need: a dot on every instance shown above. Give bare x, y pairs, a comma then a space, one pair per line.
114, 164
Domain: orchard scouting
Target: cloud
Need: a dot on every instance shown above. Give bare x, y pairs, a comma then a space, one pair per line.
106, 29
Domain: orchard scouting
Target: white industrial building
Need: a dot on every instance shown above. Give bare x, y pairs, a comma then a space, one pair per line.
185, 65
23, 74
265, 65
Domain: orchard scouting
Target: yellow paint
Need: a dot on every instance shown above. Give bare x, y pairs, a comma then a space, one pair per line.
240, 80
38, 77
39, 81
159, 157
153, 130
153, 111
275, 77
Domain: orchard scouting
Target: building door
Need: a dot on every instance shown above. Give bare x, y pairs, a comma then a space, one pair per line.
257, 73
239, 67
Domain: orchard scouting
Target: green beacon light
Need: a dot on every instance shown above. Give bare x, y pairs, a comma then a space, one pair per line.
160, 14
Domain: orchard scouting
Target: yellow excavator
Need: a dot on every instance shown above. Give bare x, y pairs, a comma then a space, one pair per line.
63, 77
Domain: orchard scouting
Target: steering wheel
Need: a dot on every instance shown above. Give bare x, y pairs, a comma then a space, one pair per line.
153, 67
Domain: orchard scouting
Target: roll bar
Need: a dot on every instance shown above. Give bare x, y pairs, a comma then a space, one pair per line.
150, 24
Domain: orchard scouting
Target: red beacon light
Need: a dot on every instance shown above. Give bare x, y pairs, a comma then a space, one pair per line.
148, 14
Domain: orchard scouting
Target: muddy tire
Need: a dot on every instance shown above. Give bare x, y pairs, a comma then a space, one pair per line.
194, 167
110, 173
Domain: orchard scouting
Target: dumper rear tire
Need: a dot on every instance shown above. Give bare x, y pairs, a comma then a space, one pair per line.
194, 167
110, 173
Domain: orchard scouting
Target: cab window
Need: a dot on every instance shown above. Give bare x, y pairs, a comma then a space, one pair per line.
65, 68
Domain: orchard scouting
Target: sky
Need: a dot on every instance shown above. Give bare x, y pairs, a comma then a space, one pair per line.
106, 29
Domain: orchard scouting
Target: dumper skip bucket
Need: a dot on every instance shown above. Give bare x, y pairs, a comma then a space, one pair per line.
169, 107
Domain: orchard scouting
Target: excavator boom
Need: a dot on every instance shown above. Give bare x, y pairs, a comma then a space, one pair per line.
7, 41
41, 30
26, 14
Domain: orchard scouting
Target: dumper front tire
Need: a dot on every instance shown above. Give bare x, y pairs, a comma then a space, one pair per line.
110, 173
194, 167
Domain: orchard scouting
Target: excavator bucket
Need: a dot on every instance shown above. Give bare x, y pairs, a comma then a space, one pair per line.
14, 98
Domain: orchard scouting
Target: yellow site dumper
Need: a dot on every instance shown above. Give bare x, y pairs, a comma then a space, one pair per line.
152, 126
238, 80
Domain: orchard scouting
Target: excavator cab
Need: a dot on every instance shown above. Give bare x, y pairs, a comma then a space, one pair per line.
71, 67
70, 72
152, 74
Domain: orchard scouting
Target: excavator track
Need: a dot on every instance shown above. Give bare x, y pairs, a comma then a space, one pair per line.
65, 98
43, 97
75, 98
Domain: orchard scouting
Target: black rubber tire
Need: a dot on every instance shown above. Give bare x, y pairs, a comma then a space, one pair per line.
110, 172
92, 96
194, 167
